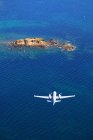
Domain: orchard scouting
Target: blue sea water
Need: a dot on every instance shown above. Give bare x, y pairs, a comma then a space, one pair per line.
25, 72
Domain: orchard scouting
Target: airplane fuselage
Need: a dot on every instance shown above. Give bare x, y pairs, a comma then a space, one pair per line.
54, 97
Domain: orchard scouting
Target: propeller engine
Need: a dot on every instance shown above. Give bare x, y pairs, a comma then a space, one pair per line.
50, 97
59, 96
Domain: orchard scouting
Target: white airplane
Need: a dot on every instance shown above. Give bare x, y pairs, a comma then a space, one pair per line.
54, 98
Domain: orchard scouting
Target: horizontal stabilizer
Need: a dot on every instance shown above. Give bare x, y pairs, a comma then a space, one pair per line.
58, 101
49, 101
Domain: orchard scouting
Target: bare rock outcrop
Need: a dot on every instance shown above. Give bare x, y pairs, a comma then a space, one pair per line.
68, 47
40, 42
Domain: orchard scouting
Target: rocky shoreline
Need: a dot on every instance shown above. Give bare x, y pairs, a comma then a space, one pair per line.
40, 42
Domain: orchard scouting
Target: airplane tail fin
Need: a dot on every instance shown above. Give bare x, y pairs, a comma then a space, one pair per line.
49, 101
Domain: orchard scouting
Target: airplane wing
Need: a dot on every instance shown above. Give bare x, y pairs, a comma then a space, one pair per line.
64, 97
43, 97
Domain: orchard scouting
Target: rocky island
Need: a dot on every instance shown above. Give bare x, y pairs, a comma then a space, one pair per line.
40, 42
